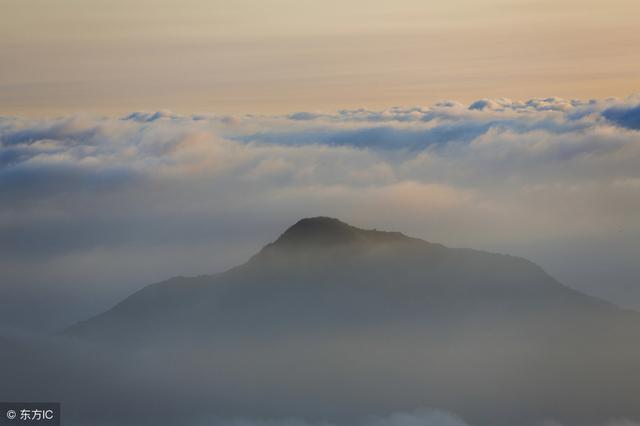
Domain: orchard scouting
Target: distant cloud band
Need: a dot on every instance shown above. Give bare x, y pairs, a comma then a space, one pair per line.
490, 173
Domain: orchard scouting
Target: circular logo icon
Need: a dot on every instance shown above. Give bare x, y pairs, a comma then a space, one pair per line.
11, 414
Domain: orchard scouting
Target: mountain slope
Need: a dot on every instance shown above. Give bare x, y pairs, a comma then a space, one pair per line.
335, 323
323, 273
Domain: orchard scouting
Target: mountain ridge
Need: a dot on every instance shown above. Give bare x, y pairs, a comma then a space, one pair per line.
328, 230
350, 322
321, 264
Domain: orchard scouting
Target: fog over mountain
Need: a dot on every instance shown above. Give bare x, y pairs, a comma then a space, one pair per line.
320, 213
335, 325
94, 208
322, 273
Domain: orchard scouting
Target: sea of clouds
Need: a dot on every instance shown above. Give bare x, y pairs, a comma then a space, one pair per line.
92, 208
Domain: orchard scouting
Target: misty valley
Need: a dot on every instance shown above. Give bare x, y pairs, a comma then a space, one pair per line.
332, 324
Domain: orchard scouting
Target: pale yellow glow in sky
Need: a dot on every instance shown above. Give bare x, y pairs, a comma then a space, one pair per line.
272, 56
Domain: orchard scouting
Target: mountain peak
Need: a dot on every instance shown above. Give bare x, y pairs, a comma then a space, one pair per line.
324, 230
330, 231
319, 222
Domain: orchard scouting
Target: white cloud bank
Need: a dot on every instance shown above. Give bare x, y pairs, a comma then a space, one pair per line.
104, 205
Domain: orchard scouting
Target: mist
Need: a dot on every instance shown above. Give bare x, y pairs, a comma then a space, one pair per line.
485, 376
95, 208
336, 325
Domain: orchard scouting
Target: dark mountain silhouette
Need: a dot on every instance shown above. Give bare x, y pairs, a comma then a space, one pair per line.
335, 323
322, 273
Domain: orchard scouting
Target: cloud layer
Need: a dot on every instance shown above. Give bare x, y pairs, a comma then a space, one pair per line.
422, 417
100, 206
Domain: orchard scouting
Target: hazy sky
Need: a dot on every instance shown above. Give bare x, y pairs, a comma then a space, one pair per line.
239, 56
